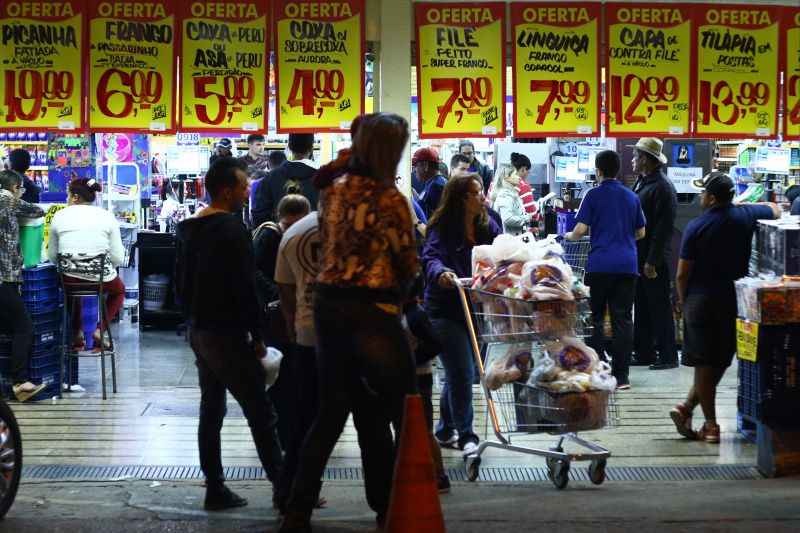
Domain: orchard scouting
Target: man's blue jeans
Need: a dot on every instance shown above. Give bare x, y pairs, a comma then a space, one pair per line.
455, 406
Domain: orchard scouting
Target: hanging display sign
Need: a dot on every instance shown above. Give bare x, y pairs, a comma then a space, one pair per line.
737, 71
791, 66
556, 69
132, 50
319, 62
42, 61
460, 69
224, 65
650, 87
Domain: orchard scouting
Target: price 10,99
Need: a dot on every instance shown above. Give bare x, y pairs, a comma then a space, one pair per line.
648, 96
236, 93
726, 105
316, 91
139, 91
471, 94
30, 93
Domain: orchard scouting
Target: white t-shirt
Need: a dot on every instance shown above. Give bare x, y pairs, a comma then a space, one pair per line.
297, 264
87, 230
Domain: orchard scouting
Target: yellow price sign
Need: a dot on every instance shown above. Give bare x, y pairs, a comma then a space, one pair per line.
460, 69
556, 69
224, 66
319, 56
737, 71
747, 340
791, 66
649, 75
43, 60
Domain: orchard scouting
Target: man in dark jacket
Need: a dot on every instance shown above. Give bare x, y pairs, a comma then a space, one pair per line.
292, 177
654, 326
215, 280
467, 149
20, 161
426, 164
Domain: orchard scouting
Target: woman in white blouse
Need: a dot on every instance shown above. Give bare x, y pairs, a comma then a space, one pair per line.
83, 230
506, 200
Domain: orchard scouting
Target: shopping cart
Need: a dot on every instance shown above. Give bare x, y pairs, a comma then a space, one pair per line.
576, 254
520, 408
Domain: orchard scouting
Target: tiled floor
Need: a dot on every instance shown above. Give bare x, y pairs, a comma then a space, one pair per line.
152, 419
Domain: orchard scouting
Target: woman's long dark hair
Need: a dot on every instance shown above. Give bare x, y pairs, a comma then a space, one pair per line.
378, 145
448, 219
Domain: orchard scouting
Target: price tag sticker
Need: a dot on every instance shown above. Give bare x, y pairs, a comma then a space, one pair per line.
791, 66
737, 71
649, 57
41, 77
460, 69
224, 67
556, 69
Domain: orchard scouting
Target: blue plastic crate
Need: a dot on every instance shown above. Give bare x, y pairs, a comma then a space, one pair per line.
46, 319
45, 360
768, 389
39, 284
45, 372
565, 222
44, 294
46, 341
44, 271
43, 306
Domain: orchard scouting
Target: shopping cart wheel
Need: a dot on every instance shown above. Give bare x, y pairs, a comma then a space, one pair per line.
473, 466
558, 472
597, 471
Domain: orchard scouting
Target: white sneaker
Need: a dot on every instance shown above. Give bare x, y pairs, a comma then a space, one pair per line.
25, 391
470, 448
452, 442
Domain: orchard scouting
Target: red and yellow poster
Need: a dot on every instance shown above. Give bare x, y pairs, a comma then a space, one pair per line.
650, 89
132, 50
319, 62
42, 60
737, 70
791, 67
461, 69
556, 69
224, 65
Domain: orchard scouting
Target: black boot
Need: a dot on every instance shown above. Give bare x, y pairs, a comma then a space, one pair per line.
221, 499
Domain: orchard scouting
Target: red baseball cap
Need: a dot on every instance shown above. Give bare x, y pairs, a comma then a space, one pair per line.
425, 154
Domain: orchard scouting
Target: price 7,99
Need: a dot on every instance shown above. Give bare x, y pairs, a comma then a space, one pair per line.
35, 86
237, 93
144, 90
471, 94
748, 98
794, 92
308, 86
565, 91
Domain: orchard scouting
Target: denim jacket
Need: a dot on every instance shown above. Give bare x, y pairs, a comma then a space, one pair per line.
11, 210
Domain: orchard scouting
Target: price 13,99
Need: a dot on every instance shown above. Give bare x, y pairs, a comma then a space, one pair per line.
648, 95
726, 105
316, 91
140, 90
571, 95
471, 94
794, 92
30, 93
237, 92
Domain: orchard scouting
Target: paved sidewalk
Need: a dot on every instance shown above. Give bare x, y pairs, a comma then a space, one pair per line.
141, 506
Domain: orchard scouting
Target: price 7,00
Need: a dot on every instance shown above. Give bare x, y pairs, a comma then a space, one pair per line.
471, 94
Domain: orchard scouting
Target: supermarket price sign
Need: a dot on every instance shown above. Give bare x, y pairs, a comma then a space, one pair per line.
737, 71
460, 69
650, 89
790, 56
42, 62
224, 65
319, 57
556, 69
132, 51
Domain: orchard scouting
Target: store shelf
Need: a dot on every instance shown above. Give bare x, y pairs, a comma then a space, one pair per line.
727, 159
39, 143
38, 167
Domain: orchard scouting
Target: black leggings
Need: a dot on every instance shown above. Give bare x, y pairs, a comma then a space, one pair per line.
14, 314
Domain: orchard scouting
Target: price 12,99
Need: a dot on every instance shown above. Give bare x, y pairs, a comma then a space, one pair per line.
727, 106
26, 90
794, 92
471, 94
656, 92
237, 93
143, 89
567, 93
316, 91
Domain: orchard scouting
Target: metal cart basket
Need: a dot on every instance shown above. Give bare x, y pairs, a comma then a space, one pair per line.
504, 325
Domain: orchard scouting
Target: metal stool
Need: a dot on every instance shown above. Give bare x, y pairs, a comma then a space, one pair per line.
89, 266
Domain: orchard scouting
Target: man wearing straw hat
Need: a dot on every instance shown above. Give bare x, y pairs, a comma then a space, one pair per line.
654, 326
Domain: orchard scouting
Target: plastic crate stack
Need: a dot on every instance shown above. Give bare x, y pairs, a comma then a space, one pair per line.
565, 222
44, 301
768, 331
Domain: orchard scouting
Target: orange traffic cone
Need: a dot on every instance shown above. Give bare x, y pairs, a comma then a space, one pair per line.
414, 505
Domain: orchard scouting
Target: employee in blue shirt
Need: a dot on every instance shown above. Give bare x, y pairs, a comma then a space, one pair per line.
715, 252
614, 215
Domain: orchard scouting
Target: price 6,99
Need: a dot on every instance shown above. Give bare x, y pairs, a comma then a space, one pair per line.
471, 94
729, 106
143, 90
33, 87
237, 92
656, 91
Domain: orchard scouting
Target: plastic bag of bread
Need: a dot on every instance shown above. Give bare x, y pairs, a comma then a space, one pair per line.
552, 273
513, 366
602, 379
509, 249
576, 355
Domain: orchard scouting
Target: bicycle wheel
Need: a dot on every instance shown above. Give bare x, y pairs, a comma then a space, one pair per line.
10, 458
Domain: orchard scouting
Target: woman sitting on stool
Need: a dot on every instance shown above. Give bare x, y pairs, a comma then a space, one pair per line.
83, 230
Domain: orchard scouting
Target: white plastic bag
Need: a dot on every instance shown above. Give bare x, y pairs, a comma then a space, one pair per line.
272, 364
